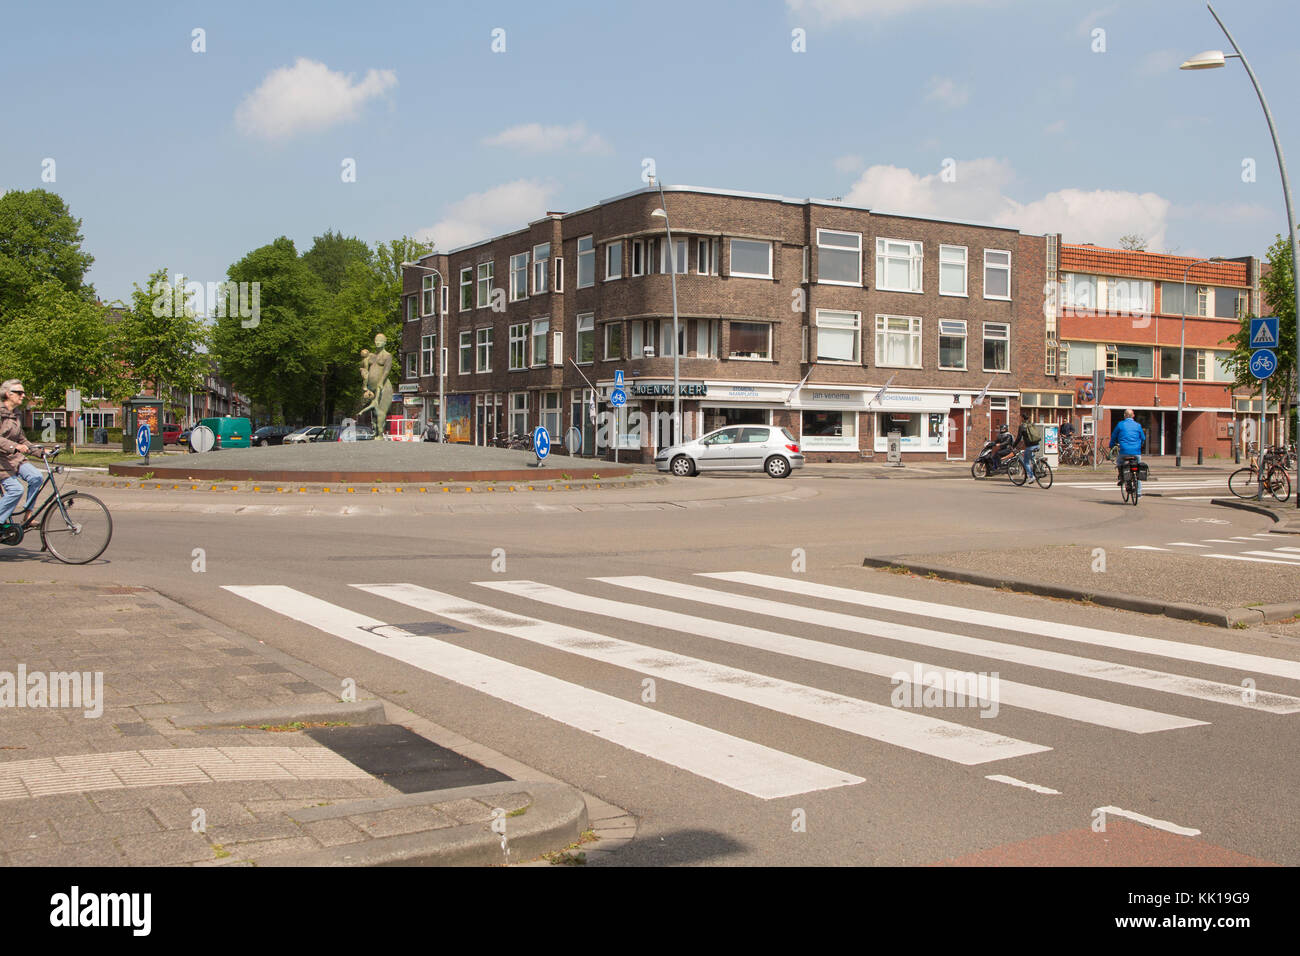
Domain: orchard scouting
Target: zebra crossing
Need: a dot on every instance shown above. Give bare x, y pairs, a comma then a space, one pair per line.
1250, 548
1180, 489
625, 619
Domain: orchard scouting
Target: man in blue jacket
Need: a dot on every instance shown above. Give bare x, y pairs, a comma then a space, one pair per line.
1131, 439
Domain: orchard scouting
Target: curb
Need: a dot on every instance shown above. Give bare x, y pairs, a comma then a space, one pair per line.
556, 817
320, 488
368, 712
1220, 617
1290, 525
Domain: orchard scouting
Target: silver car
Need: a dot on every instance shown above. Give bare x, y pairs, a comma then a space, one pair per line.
766, 448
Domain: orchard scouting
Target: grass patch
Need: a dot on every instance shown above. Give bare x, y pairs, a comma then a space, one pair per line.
1240, 625
219, 852
517, 813
296, 725
566, 857
896, 569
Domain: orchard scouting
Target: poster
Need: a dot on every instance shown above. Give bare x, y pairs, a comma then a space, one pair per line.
459, 409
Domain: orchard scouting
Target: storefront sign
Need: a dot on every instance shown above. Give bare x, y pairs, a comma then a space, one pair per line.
409, 387
686, 391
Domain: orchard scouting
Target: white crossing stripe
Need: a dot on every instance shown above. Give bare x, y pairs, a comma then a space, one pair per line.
1238, 557
1286, 549
1149, 821
891, 725
731, 761
1041, 699
1229, 694
1037, 788
1218, 540
1143, 547
1234, 660
1186, 544
1274, 554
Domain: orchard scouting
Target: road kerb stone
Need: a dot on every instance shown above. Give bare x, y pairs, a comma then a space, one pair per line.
363, 712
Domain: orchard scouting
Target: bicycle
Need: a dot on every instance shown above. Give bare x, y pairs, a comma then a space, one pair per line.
1130, 480
1266, 472
1042, 471
75, 527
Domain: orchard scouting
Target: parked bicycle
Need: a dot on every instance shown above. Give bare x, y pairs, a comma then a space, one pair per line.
1042, 471
1267, 472
1078, 451
75, 527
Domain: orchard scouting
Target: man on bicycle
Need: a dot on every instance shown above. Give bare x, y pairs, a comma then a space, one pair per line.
1129, 437
1024, 437
15, 470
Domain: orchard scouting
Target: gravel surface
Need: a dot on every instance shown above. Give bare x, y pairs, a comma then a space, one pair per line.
368, 456
1176, 578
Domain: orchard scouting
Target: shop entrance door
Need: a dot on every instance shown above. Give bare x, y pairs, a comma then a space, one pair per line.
957, 434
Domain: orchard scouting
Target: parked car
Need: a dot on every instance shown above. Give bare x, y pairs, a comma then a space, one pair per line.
229, 432
303, 435
272, 435
171, 433
736, 448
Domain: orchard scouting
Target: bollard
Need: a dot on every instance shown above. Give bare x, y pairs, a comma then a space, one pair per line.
1236, 454
1200, 456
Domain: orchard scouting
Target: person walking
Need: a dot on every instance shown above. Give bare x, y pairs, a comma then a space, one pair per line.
15, 470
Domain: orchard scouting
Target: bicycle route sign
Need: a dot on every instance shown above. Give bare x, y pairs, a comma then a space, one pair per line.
1263, 363
618, 397
1264, 335
541, 442
142, 439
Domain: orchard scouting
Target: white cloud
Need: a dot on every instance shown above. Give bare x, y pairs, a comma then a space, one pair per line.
848, 164
483, 215
979, 193
1056, 127
947, 92
833, 10
536, 138
306, 97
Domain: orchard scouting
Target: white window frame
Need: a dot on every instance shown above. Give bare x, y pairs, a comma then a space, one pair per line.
1007, 338
426, 295
466, 282
466, 351
830, 326
952, 334
748, 275
735, 357
638, 257
914, 332
428, 346
997, 268
518, 290
551, 417
544, 325
605, 341
610, 249
411, 368
915, 263
706, 263
444, 298
517, 405
586, 257
586, 324
484, 298
483, 350
541, 268
517, 358
839, 248
683, 260
965, 269
412, 310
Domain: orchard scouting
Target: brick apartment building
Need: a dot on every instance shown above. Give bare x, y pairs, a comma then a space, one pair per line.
792, 313
1123, 311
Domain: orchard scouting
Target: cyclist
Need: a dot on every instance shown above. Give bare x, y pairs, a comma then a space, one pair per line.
1023, 437
1129, 437
15, 470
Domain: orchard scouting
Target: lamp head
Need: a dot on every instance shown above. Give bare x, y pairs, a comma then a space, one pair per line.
660, 213
1206, 60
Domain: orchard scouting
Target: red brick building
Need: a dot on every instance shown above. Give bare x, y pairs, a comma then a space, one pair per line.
1123, 311
792, 313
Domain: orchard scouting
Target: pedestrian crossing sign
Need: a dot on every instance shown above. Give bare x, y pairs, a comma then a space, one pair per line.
1263, 333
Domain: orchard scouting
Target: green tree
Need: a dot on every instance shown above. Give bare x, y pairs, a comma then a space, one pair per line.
1278, 289
274, 359
161, 338
40, 241
57, 340
331, 254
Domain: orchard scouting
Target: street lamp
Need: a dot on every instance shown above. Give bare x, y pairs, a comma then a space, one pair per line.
677, 350
1182, 346
1213, 59
437, 306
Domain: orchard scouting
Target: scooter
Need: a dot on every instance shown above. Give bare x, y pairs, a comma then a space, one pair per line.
989, 462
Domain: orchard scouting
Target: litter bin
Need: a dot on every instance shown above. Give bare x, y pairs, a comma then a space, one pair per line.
101, 436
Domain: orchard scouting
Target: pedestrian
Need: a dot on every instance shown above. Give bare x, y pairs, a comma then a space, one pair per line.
15, 470
1067, 431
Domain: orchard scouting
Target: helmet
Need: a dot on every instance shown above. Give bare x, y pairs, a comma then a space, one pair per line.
1003, 430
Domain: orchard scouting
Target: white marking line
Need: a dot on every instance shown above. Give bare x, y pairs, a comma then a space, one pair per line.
1264, 534
1149, 821
739, 764
1238, 557
1058, 703
1236, 660
1143, 547
891, 725
1286, 549
1219, 540
1186, 544
1194, 497
1244, 537
1037, 788
1274, 554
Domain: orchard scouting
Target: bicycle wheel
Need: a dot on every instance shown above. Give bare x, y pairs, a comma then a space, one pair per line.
1131, 491
1244, 482
86, 537
1278, 484
1016, 472
1043, 474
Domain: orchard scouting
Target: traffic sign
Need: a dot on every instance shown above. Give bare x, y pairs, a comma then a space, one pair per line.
1263, 333
618, 397
142, 439
202, 439
541, 442
1098, 384
618, 378
1263, 363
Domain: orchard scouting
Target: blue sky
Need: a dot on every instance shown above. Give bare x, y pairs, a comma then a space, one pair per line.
186, 159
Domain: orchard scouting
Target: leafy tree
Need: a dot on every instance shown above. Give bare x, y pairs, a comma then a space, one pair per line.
274, 360
1278, 288
40, 241
160, 337
331, 254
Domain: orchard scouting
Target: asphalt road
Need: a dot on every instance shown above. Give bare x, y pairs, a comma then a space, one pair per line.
720, 765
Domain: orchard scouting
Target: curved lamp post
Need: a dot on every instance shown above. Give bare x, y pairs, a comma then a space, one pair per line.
437, 307
1213, 59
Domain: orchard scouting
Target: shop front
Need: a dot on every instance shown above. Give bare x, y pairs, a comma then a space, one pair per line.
931, 423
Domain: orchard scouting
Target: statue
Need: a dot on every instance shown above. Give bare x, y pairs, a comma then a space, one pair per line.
375, 367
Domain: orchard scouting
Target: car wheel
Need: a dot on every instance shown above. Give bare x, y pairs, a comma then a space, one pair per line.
777, 467
682, 467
